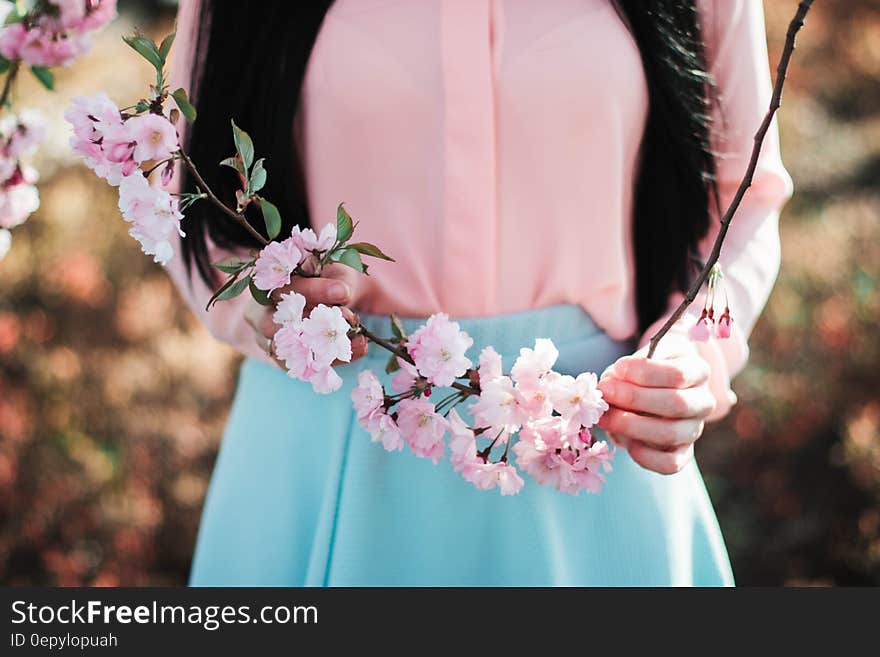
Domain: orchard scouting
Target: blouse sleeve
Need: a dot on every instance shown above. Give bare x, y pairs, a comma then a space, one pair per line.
226, 319
736, 50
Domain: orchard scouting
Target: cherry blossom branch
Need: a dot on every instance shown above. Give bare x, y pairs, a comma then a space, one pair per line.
14, 68
781, 70
235, 216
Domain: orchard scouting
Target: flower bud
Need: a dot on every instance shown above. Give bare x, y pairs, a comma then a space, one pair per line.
723, 326
167, 173
703, 329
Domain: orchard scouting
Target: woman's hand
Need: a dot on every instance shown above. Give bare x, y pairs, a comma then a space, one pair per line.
337, 286
658, 406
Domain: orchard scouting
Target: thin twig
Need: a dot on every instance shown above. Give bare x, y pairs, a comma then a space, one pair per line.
11, 74
235, 216
794, 27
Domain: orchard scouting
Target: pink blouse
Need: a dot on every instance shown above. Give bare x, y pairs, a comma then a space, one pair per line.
491, 148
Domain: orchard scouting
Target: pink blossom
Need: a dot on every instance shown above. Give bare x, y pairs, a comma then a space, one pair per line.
117, 145
275, 264
476, 470
12, 37
23, 133
71, 13
578, 399
532, 400
98, 14
383, 429
406, 377
532, 364
703, 329
90, 116
18, 200
498, 405
563, 456
422, 428
289, 310
598, 456
8, 168
325, 332
39, 46
155, 137
97, 123
154, 214
462, 442
135, 197
724, 325
490, 365
438, 349
307, 240
368, 396
296, 355
5, 242
325, 380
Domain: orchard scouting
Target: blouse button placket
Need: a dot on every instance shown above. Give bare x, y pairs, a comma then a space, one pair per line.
469, 255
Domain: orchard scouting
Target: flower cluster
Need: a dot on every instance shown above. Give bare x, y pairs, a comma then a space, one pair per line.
546, 414
309, 346
278, 261
115, 145
55, 32
707, 325
19, 137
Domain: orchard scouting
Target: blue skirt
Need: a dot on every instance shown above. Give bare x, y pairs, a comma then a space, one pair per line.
301, 497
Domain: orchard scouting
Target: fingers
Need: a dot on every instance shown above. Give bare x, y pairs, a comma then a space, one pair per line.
665, 462
329, 291
696, 402
658, 432
678, 372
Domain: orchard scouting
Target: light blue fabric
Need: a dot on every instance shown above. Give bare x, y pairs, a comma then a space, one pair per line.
300, 496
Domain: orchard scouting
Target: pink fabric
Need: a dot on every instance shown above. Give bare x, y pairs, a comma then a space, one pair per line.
491, 146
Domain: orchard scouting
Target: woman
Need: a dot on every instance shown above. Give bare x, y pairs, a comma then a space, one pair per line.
540, 169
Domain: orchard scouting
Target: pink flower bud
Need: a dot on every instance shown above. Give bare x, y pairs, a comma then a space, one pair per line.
723, 327
703, 329
129, 167
167, 173
120, 151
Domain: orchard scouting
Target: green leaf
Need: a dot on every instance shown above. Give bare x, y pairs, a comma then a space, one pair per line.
272, 218
146, 49
352, 258
223, 288
186, 108
234, 290
4, 65
258, 176
141, 107
231, 265
365, 248
392, 365
233, 163
344, 224
397, 328
165, 46
45, 76
243, 145
261, 296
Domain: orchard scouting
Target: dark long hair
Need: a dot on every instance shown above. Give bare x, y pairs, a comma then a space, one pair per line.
250, 65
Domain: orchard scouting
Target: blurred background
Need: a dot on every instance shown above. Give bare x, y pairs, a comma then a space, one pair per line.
113, 398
